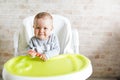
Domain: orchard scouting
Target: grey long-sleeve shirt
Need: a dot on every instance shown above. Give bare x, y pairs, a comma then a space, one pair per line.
49, 47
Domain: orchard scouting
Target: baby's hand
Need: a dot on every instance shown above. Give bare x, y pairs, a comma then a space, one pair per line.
43, 57
32, 53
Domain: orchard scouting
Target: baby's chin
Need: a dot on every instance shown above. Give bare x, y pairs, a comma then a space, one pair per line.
42, 38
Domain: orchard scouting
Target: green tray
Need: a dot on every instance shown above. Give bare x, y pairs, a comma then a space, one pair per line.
35, 67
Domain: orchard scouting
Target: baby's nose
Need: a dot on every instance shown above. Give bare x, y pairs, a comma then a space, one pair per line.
41, 30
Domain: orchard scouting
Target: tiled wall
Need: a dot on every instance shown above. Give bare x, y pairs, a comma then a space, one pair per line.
98, 22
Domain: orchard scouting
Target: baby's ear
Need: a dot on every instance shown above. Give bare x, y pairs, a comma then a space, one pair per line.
51, 28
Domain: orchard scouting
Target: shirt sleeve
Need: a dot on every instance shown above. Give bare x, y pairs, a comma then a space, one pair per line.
54, 49
31, 45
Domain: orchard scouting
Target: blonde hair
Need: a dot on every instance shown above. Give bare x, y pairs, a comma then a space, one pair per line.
42, 15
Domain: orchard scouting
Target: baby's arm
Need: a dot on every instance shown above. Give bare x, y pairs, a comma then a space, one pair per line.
32, 49
55, 49
33, 53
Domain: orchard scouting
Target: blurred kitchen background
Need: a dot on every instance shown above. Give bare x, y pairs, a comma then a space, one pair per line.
97, 21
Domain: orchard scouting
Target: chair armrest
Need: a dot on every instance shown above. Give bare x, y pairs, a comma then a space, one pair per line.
15, 40
75, 40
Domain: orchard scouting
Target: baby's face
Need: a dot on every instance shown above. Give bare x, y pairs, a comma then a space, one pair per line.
43, 28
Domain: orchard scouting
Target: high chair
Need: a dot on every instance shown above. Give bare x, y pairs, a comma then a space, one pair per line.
68, 38
69, 43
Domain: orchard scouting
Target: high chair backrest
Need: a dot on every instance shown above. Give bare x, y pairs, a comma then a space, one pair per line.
62, 28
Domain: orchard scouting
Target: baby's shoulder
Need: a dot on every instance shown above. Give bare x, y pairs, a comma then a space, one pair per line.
53, 35
34, 38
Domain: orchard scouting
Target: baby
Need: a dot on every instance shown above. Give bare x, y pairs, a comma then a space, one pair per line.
44, 43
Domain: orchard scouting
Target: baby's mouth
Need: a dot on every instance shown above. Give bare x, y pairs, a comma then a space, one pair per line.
41, 33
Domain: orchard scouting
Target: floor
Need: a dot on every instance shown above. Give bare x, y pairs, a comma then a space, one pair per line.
101, 79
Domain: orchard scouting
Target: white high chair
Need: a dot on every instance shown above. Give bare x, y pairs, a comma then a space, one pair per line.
68, 39
69, 43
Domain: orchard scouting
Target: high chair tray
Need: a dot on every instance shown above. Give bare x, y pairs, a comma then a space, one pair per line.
66, 66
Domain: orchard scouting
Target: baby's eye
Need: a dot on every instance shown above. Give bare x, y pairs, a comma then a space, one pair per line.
37, 28
45, 28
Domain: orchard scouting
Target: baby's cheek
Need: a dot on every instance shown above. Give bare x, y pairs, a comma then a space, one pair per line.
36, 31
